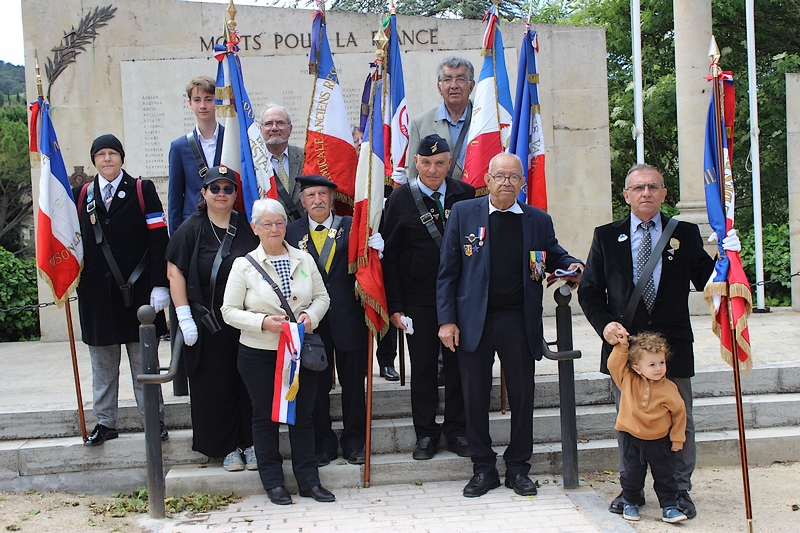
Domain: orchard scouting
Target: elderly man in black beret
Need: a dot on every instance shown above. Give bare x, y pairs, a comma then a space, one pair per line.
124, 241
414, 222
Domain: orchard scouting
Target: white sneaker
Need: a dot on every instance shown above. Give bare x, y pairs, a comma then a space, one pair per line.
250, 458
233, 461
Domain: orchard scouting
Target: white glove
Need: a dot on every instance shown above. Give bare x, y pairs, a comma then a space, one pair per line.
408, 322
399, 176
375, 242
188, 327
159, 298
731, 243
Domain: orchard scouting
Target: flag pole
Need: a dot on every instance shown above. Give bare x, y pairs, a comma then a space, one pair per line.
714, 55
67, 308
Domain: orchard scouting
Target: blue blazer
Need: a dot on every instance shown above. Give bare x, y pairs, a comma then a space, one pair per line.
462, 287
184, 179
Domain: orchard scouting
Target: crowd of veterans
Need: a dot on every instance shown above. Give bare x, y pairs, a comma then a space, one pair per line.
464, 280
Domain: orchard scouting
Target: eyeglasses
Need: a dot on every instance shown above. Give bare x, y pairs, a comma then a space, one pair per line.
514, 179
227, 189
458, 80
640, 187
268, 225
278, 123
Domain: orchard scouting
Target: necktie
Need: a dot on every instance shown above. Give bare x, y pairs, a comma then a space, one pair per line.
437, 198
319, 227
649, 294
282, 175
108, 194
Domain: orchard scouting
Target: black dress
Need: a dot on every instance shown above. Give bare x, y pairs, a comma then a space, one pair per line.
221, 410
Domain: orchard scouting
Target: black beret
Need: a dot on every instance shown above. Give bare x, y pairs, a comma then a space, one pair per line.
314, 180
432, 145
107, 141
219, 173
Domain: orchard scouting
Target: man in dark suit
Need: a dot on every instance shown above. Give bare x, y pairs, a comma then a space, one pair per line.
343, 329
612, 270
185, 170
455, 81
494, 259
415, 213
125, 216
287, 160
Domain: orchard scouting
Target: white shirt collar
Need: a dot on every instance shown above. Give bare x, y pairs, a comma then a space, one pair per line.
114, 184
312, 224
428, 191
213, 138
515, 208
635, 221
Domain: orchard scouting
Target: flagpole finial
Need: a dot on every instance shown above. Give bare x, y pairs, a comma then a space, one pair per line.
380, 40
230, 21
714, 55
38, 74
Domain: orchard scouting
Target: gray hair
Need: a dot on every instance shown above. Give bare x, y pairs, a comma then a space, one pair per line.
271, 105
455, 62
503, 154
643, 166
267, 205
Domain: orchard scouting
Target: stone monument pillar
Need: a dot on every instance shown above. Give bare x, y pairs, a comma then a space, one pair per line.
793, 167
692, 37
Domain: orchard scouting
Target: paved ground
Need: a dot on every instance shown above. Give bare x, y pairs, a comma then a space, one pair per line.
432, 507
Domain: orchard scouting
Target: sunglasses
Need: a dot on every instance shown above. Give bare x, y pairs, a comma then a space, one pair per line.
227, 189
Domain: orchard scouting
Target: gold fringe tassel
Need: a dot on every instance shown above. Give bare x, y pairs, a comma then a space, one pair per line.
295, 387
366, 299
736, 291
224, 93
482, 191
226, 111
341, 197
74, 285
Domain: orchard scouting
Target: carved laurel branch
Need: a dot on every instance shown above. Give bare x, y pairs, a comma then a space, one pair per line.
74, 41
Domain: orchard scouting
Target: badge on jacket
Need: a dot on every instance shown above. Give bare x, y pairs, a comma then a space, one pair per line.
302, 244
468, 250
537, 264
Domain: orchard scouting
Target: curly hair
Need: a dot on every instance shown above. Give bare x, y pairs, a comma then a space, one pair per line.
647, 341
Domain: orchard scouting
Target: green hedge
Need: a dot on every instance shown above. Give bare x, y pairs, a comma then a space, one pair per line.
777, 263
17, 288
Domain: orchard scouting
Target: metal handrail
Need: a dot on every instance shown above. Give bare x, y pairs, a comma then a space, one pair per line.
172, 369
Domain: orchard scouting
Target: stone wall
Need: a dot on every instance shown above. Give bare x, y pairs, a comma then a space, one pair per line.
131, 80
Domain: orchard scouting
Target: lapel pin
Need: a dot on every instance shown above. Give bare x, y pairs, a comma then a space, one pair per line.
622, 238
121, 194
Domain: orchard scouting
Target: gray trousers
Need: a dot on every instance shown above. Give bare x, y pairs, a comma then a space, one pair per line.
686, 459
105, 381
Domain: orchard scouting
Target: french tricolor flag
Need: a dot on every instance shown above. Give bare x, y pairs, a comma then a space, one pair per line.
59, 246
490, 128
287, 373
396, 121
329, 149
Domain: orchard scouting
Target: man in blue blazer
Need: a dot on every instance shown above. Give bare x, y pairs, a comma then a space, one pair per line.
185, 170
495, 255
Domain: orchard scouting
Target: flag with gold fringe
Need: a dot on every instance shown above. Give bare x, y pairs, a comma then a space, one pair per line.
287, 373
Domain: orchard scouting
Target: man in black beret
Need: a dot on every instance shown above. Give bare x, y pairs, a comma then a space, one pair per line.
414, 221
343, 329
124, 241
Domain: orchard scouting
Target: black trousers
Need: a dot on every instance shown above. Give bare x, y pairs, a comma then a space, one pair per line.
424, 347
350, 368
636, 455
504, 333
257, 368
387, 348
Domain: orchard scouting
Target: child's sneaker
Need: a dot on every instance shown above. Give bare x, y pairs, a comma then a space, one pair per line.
672, 515
631, 512
233, 461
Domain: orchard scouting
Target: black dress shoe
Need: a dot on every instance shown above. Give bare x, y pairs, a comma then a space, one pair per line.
617, 506
279, 496
480, 484
521, 484
355, 457
685, 504
460, 447
389, 373
99, 435
319, 493
164, 432
325, 458
426, 448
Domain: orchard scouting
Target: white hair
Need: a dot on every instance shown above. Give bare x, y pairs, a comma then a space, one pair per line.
264, 206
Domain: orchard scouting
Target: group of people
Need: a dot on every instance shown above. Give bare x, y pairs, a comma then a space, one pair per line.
464, 281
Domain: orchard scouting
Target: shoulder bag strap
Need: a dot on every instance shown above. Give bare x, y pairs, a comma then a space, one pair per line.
294, 214
140, 194
647, 271
202, 168
322, 260
223, 252
461, 136
274, 286
424, 215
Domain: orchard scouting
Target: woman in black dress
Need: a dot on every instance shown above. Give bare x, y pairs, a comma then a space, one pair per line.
221, 409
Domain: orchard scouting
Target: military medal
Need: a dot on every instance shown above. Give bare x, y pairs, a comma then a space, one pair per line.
446, 213
481, 235
468, 250
331, 233
537, 265
93, 218
303, 243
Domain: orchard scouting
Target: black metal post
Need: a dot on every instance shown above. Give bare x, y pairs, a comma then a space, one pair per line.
180, 384
148, 343
566, 389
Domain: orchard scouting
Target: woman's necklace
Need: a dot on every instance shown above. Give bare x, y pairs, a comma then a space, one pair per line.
214, 231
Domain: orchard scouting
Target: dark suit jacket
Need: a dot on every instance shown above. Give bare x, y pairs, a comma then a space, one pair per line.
426, 124
462, 287
344, 321
295, 170
607, 285
104, 320
184, 178
411, 257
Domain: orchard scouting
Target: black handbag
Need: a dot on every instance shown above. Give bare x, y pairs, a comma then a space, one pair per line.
313, 355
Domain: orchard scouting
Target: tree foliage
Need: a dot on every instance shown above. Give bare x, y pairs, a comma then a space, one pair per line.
15, 176
466, 9
12, 79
